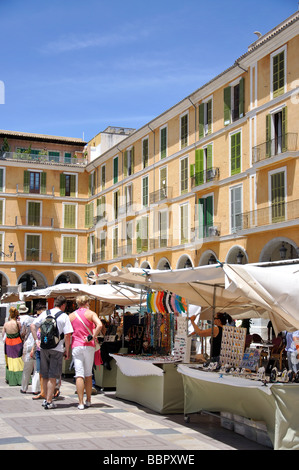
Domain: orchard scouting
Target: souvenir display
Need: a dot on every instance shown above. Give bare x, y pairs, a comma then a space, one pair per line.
182, 343
232, 346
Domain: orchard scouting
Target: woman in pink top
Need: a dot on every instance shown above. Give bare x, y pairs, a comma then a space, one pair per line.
87, 327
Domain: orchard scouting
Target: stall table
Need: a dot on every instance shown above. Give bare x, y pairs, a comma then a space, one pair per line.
153, 384
277, 404
105, 378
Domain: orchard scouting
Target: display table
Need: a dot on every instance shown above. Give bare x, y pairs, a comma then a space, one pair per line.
105, 378
153, 384
275, 404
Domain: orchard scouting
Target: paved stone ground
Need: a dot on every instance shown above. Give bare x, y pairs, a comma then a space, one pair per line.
110, 424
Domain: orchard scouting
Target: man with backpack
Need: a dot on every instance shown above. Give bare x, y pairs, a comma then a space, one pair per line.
55, 330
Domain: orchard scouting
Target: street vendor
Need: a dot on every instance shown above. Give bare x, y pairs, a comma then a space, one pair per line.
219, 321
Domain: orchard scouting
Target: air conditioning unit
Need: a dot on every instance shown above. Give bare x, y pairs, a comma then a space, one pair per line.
213, 231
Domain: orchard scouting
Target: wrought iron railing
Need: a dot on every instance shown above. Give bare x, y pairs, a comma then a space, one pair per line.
281, 144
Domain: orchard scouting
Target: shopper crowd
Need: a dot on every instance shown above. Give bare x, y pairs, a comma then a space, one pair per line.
32, 357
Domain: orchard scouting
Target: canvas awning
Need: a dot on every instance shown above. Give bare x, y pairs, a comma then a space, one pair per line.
112, 294
268, 290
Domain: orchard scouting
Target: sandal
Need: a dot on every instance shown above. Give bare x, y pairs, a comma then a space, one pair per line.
38, 397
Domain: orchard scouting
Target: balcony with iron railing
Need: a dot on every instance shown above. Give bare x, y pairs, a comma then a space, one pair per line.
160, 195
206, 176
276, 213
43, 158
281, 144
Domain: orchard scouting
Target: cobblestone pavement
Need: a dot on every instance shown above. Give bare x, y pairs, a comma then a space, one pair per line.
110, 424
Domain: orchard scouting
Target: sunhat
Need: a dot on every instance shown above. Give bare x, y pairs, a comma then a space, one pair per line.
23, 309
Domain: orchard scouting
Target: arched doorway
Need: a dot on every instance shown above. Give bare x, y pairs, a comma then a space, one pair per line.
279, 249
184, 262
236, 255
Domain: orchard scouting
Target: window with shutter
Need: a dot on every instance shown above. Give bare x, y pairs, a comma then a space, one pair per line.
184, 131
115, 170
236, 208
34, 213
69, 215
234, 101
163, 143
184, 175
278, 74
1, 211
184, 224
235, 157
145, 152
32, 247
278, 196
205, 215
69, 249
145, 191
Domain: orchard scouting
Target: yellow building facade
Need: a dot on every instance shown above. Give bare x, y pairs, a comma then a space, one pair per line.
214, 177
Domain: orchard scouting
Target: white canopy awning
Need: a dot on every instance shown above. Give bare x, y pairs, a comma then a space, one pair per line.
244, 291
113, 294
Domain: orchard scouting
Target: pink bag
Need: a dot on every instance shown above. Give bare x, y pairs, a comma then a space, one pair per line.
98, 358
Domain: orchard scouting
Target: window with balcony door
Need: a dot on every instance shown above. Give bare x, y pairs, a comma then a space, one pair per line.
233, 97
205, 118
68, 184
163, 142
69, 215
184, 223
205, 216
129, 162
145, 152
276, 132
34, 182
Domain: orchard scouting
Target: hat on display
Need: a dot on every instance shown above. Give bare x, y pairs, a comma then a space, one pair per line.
23, 309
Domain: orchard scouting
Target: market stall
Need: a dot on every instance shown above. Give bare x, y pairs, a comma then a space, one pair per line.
276, 404
104, 299
263, 290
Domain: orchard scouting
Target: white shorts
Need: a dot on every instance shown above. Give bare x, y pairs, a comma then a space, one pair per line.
83, 357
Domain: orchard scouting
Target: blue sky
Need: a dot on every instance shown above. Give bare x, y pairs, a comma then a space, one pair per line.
72, 68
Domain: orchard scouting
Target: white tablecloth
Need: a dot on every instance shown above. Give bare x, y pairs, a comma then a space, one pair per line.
136, 367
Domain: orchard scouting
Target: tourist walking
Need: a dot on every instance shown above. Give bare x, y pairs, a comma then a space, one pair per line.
87, 327
13, 348
52, 358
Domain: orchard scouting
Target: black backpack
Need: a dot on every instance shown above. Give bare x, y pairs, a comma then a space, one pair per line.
49, 334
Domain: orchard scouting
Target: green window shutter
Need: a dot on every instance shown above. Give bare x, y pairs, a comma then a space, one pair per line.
26, 181
209, 157
144, 233
184, 131
89, 185
268, 135
278, 74
54, 156
115, 170
62, 184
145, 191
43, 185
236, 153
138, 237
209, 116
32, 252
1, 212
69, 216
67, 157
69, 247
241, 97
199, 167
34, 213
126, 163
201, 116
132, 159
278, 197
103, 176
145, 152
284, 131
89, 215
227, 105
209, 211
1, 179
73, 186
163, 145
88, 249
